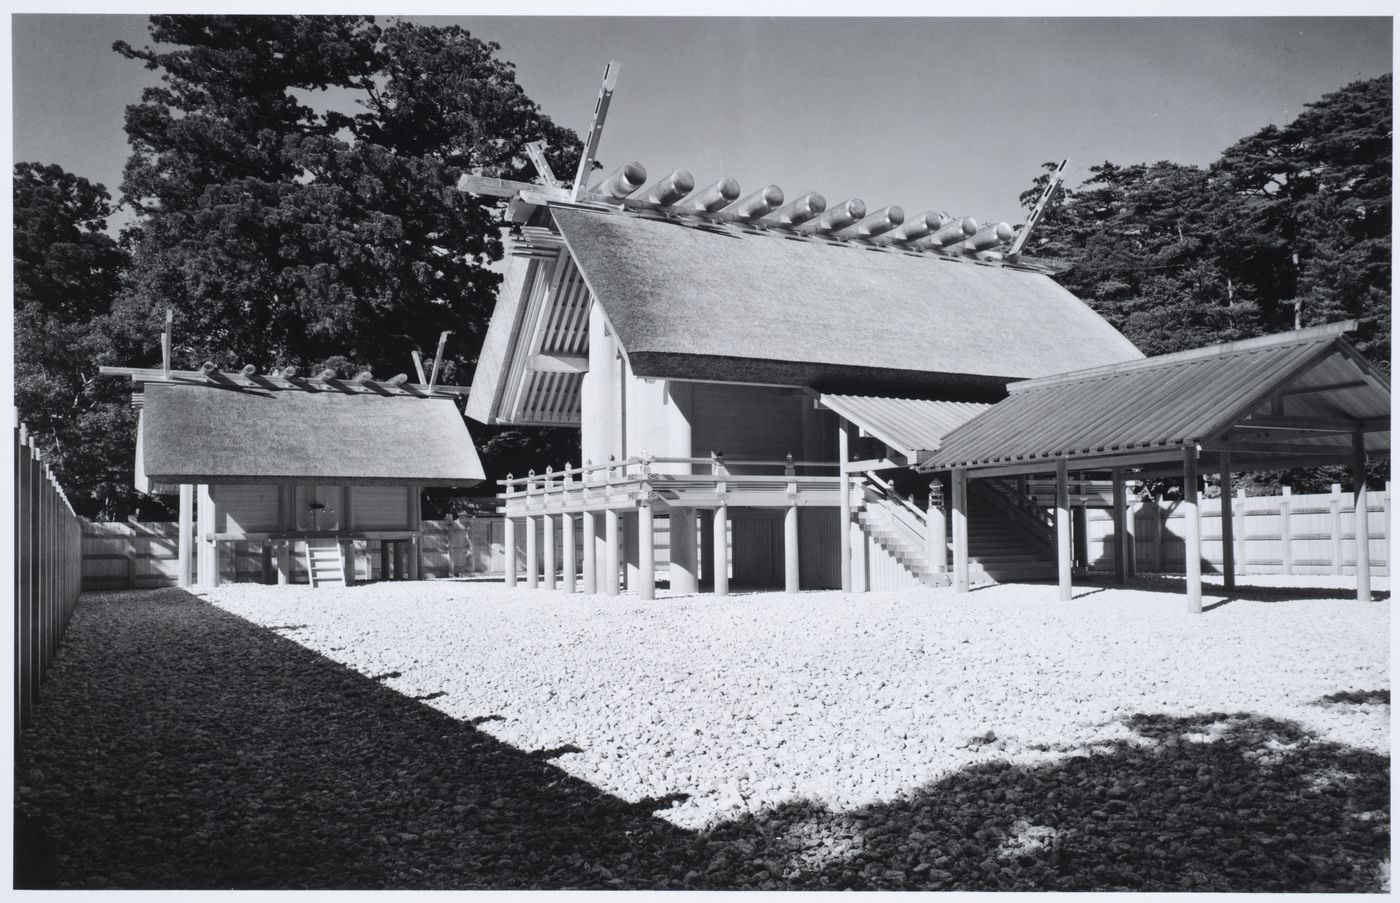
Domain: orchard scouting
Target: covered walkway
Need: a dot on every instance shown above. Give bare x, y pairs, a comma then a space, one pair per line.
1297, 399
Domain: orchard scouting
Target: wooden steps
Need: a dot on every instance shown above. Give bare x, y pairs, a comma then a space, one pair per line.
325, 562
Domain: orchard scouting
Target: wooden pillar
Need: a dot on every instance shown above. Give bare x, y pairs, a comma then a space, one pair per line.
1120, 519
707, 549
960, 576
415, 542
1191, 509
684, 556
610, 544
1227, 521
207, 551
646, 553
860, 559
532, 555
631, 554
721, 553
550, 555
590, 552
185, 571
284, 561
509, 541
843, 534
1130, 510
1063, 544
936, 525
1362, 527
791, 565
566, 540
1079, 535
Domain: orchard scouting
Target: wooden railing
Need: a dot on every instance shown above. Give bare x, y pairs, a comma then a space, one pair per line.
48, 571
599, 485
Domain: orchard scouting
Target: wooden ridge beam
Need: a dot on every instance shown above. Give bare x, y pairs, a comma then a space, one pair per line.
1324, 387
276, 381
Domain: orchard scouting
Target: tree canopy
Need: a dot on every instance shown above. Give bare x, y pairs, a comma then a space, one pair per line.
68, 286
294, 179
1180, 256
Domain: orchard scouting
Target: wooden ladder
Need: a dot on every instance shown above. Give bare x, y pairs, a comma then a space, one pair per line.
325, 562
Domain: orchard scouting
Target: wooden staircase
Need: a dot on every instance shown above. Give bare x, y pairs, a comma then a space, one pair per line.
325, 562
1002, 551
1003, 546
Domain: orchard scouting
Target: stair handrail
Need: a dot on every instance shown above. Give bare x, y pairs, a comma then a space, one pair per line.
889, 492
903, 518
1040, 522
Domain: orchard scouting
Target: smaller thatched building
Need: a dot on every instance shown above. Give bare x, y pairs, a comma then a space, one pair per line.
297, 480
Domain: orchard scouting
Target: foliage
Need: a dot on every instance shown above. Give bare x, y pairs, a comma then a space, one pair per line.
295, 184
68, 276
1177, 256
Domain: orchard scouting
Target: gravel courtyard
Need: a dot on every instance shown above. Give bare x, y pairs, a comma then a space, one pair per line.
998, 740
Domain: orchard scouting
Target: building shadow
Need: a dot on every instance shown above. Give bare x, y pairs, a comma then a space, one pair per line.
227, 756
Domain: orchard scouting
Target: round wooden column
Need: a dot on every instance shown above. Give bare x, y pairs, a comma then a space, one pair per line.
566, 539
721, 544
590, 552
532, 554
646, 553
509, 540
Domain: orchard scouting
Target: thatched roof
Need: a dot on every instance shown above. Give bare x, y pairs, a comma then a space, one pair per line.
211, 434
717, 303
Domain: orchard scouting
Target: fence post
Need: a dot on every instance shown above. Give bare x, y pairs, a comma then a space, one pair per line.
1334, 512
1286, 529
1241, 532
1385, 525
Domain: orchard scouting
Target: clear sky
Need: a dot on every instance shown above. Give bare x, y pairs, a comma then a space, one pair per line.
943, 113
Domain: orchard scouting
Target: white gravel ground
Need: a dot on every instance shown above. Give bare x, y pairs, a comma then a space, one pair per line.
744, 702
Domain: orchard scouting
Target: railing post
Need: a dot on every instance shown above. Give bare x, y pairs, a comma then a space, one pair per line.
570, 578
508, 539
532, 561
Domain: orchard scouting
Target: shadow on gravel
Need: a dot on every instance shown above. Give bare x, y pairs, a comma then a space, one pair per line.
179, 746
1209, 803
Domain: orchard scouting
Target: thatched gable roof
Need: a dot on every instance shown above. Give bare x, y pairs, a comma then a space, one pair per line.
718, 303
212, 434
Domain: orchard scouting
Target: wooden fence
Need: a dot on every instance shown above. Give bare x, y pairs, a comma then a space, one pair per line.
1280, 534
48, 571
140, 555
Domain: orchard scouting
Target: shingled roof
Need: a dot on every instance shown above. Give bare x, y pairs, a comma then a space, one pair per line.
716, 303
1276, 401
216, 434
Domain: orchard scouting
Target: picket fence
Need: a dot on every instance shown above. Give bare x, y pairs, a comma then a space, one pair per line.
48, 571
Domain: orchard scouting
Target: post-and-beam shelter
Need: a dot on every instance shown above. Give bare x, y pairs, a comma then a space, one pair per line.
1298, 399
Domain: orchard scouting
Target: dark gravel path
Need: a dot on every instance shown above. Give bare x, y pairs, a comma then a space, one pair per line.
178, 746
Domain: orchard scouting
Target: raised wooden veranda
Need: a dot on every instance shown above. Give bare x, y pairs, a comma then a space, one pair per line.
645, 486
